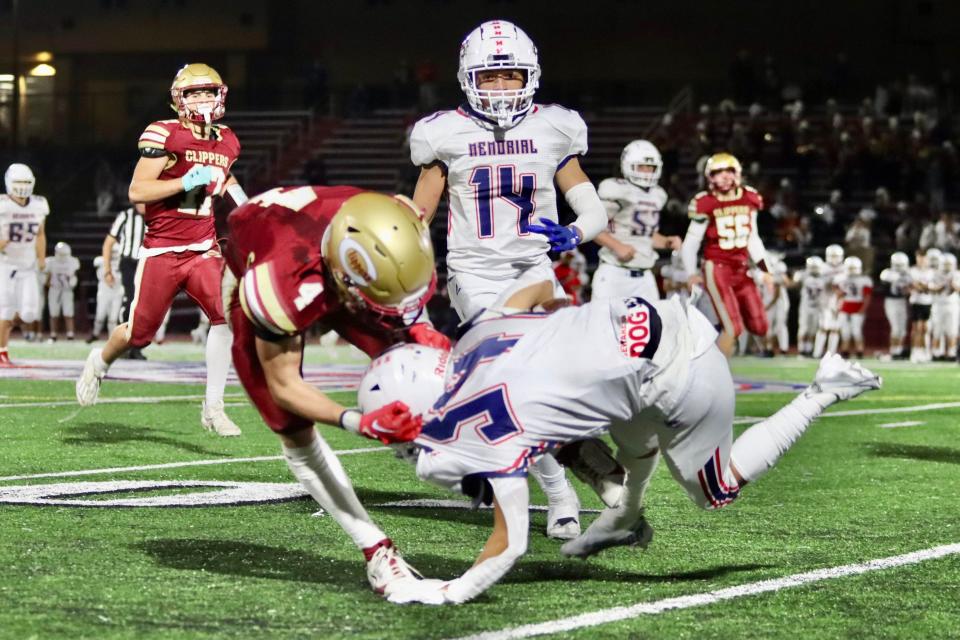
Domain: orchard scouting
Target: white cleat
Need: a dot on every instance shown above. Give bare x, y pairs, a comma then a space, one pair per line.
603, 534
386, 570
563, 516
88, 384
214, 418
843, 378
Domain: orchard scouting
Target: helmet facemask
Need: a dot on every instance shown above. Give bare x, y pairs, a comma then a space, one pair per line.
19, 181
637, 155
197, 77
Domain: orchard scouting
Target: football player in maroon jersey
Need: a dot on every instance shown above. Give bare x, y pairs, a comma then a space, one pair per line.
184, 164
724, 220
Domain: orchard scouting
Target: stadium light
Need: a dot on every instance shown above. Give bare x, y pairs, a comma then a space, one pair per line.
43, 56
43, 69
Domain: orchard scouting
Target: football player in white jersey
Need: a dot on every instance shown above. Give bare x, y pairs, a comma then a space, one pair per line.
497, 157
855, 290
812, 284
944, 311
629, 245
828, 331
897, 280
647, 372
62, 269
921, 299
109, 295
23, 250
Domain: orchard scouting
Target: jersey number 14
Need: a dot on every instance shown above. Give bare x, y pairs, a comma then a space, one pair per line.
491, 183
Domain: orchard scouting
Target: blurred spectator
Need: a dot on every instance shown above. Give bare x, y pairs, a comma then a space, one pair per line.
858, 242
944, 234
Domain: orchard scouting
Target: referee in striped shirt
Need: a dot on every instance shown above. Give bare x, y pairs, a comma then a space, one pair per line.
127, 231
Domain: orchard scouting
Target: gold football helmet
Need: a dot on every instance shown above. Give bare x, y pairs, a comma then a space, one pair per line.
198, 76
721, 161
379, 253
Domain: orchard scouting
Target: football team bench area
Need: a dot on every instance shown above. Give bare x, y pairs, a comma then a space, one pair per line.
127, 520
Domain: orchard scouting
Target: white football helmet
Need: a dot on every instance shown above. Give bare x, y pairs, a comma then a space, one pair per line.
948, 264
494, 45
899, 261
933, 256
62, 250
814, 265
638, 154
411, 373
853, 266
19, 180
834, 255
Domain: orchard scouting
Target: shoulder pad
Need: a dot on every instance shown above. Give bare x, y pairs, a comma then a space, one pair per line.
569, 123
609, 189
154, 137
261, 304
696, 210
424, 137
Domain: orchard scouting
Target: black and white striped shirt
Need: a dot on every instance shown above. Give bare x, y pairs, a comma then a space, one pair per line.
128, 228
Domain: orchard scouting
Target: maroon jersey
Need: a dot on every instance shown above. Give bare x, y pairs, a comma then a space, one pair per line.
274, 250
729, 223
185, 219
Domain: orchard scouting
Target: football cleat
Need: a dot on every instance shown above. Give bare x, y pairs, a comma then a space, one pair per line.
593, 462
563, 516
5, 359
386, 569
842, 378
214, 418
603, 534
88, 384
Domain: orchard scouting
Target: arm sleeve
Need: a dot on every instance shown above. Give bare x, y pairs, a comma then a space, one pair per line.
691, 244
513, 496
591, 214
758, 252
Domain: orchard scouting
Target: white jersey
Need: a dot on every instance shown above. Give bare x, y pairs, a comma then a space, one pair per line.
520, 384
811, 289
854, 291
921, 279
498, 182
778, 294
944, 284
634, 215
828, 299
21, 225
898, 282
114, 265
63, 271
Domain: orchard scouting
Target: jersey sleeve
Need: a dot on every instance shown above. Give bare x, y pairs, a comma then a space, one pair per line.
609, 192
153, 141
753, 197
569, 123
422, 152
698, 210
280, 306
43, 205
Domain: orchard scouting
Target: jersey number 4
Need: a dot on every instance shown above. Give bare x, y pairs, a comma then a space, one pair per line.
734, 231
488, 413
491, 183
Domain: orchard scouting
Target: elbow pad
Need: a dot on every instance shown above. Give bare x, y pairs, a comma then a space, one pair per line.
591, 213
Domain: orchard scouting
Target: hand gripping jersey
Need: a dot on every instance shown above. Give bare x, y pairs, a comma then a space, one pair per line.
21, 225
854, 291
520, 384
274, 250
730, 220
634, 215
898, 282
498, 182
185, 220
63, 271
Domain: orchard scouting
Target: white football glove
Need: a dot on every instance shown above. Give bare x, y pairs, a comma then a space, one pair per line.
411, 591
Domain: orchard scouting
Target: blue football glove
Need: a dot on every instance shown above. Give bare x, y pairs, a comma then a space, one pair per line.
199, 176
561, 238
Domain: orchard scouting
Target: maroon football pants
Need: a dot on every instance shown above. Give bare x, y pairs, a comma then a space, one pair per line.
735, 298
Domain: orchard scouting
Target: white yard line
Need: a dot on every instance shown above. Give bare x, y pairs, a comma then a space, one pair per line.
614, 614
175, 465
896, 425
868, 412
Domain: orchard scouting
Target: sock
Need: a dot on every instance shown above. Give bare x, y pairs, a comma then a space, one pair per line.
639, 473
759, 447
218, 362
551, 477
818, 343
99, 363
319, 471
833, 341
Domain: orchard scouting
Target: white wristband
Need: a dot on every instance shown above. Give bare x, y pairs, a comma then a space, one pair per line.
237, 193
350, 420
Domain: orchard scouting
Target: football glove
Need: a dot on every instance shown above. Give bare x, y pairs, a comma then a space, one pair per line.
561, 238
199, 176
424, 333
389, 424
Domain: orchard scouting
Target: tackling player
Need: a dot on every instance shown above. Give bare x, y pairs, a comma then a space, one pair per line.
724, 220
497, 158
23, 251
629, 245
649, 373
359, 263
184, 163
